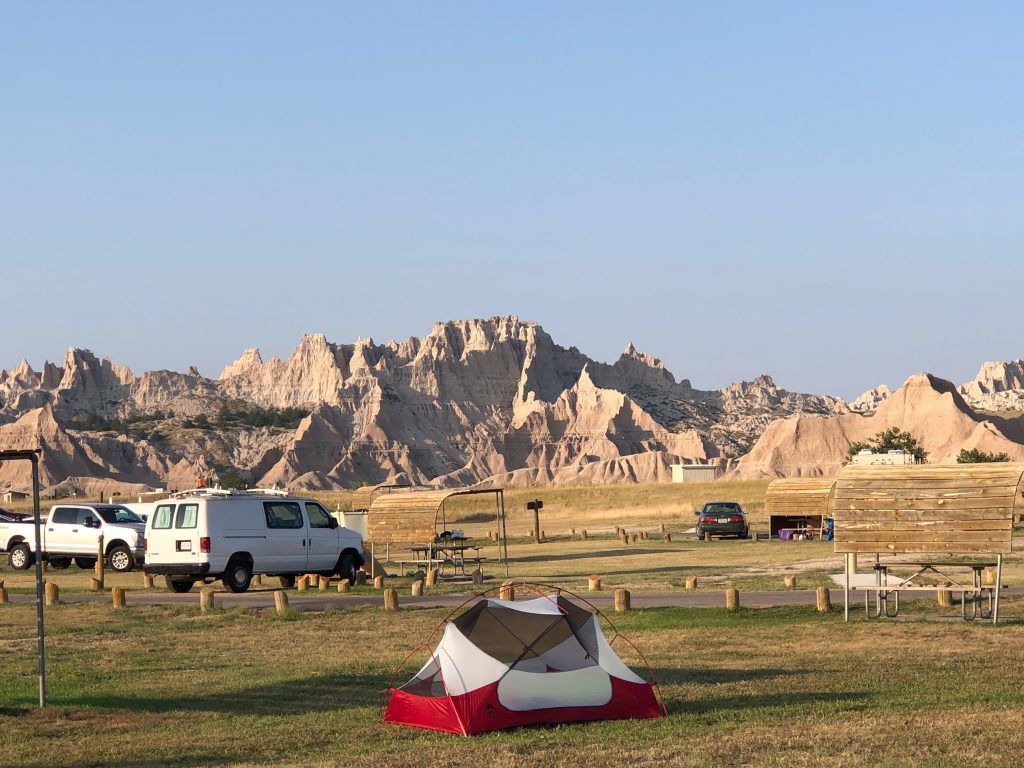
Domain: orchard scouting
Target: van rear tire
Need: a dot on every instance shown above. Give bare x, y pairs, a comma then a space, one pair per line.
85, 563
181, 586
59, 563
238, 575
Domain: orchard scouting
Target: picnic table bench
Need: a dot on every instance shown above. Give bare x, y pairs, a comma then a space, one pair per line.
974, 594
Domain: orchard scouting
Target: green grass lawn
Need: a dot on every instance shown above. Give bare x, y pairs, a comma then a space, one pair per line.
775, 687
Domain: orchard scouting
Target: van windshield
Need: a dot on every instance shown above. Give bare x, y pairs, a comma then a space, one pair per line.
117, 515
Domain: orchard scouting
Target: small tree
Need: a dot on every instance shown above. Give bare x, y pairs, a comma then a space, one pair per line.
974, 456
231, 480
892, 439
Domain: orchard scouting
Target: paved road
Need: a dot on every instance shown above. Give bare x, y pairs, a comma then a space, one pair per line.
264, 598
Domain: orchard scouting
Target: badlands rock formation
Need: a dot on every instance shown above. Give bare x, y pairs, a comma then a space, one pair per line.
473, 400
997, 387
928, 407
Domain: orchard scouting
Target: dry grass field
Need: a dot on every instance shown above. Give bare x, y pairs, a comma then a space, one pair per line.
775, 687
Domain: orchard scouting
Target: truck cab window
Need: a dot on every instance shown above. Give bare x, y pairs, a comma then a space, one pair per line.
64, 516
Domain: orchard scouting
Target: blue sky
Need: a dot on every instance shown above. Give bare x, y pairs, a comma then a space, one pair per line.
827, 192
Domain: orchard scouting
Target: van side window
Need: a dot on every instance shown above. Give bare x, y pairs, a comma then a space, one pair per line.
187, 516
87, 516
163, 516
283, 514
318, 516
64, 516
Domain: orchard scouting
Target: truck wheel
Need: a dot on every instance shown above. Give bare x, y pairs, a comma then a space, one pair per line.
21, 557
85, 563
346, 567
237, 575
121, 559
59, 563
287, 582
180, 586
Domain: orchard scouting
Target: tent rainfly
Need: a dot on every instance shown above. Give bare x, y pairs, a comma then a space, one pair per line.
503, 664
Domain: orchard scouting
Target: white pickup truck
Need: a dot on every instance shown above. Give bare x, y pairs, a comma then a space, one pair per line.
72, 531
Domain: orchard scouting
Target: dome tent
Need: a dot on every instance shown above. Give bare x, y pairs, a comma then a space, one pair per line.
503, 664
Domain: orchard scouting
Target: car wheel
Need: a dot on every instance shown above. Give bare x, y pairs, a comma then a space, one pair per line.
21, 557
85, 563
180, 586
237, 575
121, 559
59, 563
287, 582
346, 567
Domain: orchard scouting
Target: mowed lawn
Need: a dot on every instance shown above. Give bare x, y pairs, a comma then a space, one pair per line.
775, 687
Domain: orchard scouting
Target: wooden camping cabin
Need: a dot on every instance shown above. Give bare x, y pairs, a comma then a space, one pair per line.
798, 504
958, 509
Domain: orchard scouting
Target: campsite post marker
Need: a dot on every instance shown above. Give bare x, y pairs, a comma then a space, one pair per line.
536, 505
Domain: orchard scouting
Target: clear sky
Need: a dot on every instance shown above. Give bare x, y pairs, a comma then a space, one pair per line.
829, 192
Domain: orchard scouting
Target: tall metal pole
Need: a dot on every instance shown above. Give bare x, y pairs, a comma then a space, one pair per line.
40, 627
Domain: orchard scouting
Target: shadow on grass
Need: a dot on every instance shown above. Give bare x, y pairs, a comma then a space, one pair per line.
589, 555
676, 675
763, 701
319, 693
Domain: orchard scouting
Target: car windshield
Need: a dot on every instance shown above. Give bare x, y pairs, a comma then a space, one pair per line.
722, 509
118, 515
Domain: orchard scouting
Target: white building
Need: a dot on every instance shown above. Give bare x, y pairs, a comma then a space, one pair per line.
695, 473
893, 458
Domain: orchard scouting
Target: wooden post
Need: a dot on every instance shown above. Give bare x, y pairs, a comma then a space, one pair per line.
360, 578
390, 599
990, 576
478, 577
280, 602
99, 561
790, 582
301, 584
583, 534
95, 585
147, 581
668, 538
431, 579
594, 583
824, 599
529, 533
621, 600
540, 539
572, 531
3, 595
117, 596
206, 602
507, 591
732, 599
691, 582
378, 582
632, 538
344, 586
52, 593
257, 580
325, 582
618, 531
707, 536
417, 588
944, 595
661, 528
643, 535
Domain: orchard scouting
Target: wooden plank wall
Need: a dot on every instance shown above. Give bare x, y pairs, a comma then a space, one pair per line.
957, 508
796, 497
404, 517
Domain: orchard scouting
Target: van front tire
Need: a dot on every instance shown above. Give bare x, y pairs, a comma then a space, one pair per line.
237, 576
346, 567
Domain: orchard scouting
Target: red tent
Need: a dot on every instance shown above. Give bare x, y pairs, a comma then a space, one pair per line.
502, 664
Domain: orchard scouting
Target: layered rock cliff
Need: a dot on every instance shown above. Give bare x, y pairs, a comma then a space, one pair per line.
473, 400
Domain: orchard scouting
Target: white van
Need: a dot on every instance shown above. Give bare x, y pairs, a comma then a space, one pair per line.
206, 534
